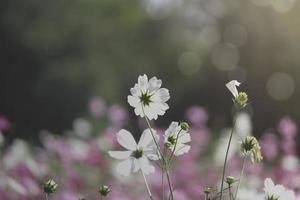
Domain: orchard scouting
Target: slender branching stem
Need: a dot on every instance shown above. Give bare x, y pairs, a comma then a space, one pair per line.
160, 154
162, 179
164, 162
146, 183
162, 184
206, 196
226, 157
241, 176
173, 151
230, 193
46, 196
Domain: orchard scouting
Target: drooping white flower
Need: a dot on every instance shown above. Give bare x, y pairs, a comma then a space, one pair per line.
148, 98
240, 98
137, 155
277, 192
232, 87
250, 147
176, 138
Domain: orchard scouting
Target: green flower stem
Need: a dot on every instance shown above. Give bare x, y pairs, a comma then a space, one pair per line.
146, 183
173, 152
46, 196
230, 193
164, 163
226, 157
162, 179
170, 184
206, 197
241, 176
218, 193
162, 185
160, 154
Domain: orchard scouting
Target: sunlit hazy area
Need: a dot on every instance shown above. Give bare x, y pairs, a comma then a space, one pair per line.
57, 56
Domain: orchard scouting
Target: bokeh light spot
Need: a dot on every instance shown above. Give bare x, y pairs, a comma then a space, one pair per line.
235, 34
225, 56
280, 86
282, 6
189, 63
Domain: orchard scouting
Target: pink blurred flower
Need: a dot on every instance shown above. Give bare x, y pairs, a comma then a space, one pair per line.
288, 146
287, 128
32, 186
4, 194
97, 106
200, 138
196, 115
110, 135
21, 170
117, 115
254, 169
269, 146
65, 195
180, 195
4, 124
94, 157
75, 180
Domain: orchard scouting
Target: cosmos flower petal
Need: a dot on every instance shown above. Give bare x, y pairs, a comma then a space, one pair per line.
184, 137
146, 140
126, 139
182, 149
133, 101
152, 154
143, 83
232, 87
173, 127
135, 91
146, 166
120, 154
139, 110
162, 95
127, 167
151, 112
154, 84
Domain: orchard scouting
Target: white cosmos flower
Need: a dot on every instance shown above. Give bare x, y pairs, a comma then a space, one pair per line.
147, 97
232, 87
174, 135
273, 191
277, 192
136, 156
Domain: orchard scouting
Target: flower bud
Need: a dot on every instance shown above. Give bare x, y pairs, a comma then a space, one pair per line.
241, 100
104, 190
184, 126
207, 189
229, 180
50, 186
